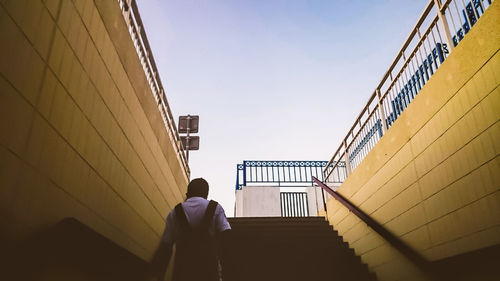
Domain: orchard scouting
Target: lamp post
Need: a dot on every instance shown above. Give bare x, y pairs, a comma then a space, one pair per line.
189, 124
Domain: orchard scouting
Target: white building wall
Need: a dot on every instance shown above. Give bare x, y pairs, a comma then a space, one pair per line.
258, 201
314, 200
264, 201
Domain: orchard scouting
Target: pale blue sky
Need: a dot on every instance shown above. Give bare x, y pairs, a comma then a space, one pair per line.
271, 80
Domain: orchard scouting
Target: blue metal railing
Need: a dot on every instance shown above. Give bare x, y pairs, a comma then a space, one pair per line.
286, 173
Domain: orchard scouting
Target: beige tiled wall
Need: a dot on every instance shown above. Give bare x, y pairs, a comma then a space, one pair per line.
434, 178
80, 131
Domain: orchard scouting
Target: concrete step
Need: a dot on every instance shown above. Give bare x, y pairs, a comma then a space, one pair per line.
276, 220
256, 219
289, 237
291, 249
283, 230
296, 224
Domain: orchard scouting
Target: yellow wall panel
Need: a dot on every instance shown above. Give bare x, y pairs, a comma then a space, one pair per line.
16, 118
359, 230
380, 255
80, 129
347, 223
390, 189
399, 269
477, 216
418, 239
8, 178
399, 204
463, 191
366, 243
433, 179
476, 240
337, 216
473, 154
407, 221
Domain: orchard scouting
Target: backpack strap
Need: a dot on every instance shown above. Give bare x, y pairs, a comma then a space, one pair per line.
209, 214
181, 217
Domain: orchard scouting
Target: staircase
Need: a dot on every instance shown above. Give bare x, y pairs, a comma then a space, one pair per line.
290, 248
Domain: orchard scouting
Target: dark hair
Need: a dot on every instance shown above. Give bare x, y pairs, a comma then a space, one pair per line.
197, 188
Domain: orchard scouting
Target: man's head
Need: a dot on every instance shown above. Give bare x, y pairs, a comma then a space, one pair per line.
197, 188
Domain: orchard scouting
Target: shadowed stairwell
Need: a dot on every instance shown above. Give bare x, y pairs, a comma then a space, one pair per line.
291, 248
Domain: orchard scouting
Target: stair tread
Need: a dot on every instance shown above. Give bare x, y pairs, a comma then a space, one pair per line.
303, 248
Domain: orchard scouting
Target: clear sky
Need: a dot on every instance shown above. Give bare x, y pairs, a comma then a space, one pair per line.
271, 80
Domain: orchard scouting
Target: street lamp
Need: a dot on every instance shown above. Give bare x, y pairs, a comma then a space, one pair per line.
187, 125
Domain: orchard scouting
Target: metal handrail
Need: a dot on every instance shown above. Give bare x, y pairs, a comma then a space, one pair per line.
393, 240
427, 46
133, 19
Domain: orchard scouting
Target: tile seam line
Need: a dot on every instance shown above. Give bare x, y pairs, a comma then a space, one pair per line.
436, 137
373, 247
464, 236
451, 212
150, 92
462, 117
456, 180
431, 117
460, 237
76, 104
45, 66
442, 243
435, 219
473, 201
35, 109
337, 210
124, 102
425, 213
115, 119
340, 209
421, 202
74, 198
443, 160
470, 141
98, 132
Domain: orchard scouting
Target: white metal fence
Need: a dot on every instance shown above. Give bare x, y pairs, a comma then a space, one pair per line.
294, 204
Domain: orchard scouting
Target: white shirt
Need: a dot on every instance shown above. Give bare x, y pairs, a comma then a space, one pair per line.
195, 208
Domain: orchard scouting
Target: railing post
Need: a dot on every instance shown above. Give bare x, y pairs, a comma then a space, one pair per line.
346, 157
444, 24
237, 176
244, 173
382, 111
324, 201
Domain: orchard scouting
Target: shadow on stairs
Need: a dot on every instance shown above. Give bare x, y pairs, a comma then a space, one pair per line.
291, 248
